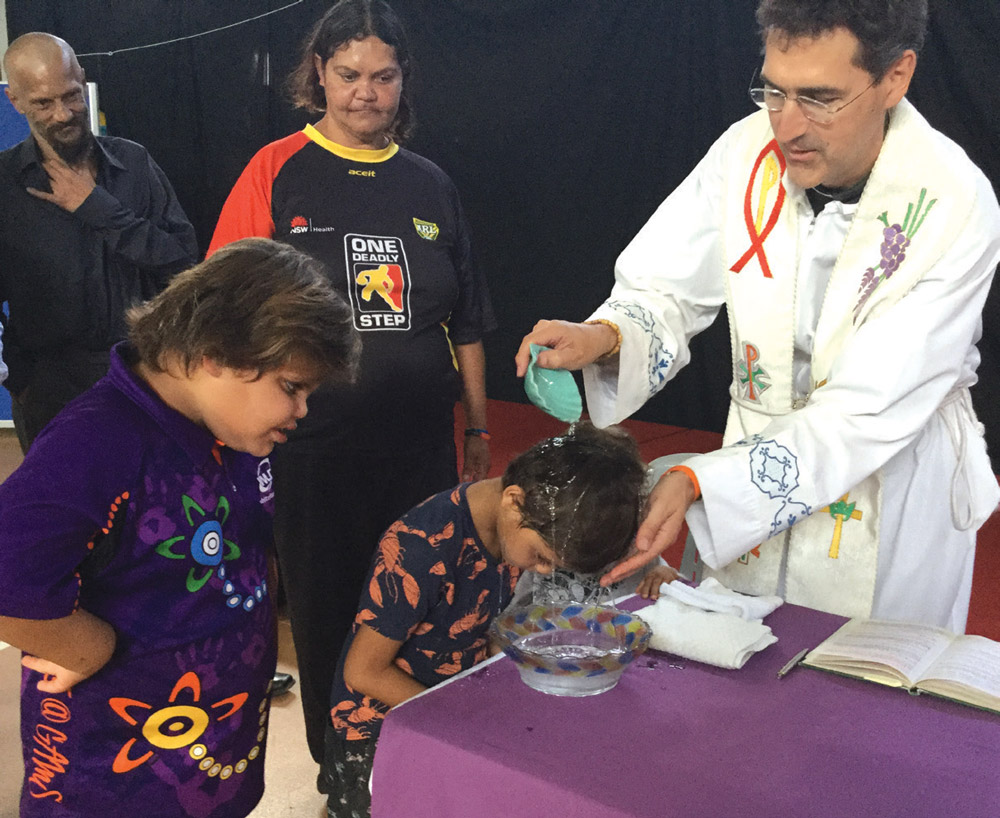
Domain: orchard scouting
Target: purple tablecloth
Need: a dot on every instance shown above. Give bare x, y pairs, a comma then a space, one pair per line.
678, 738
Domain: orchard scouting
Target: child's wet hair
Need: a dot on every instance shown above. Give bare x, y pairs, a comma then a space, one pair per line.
255, 305
583, 493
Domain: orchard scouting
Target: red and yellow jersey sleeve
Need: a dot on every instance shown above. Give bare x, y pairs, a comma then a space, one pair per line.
247, 211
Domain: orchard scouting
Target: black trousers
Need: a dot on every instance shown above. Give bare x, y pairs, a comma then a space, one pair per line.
331, 506
347, 768
54, 382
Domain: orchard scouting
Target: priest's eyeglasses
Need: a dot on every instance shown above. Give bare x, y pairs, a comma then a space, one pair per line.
773, 100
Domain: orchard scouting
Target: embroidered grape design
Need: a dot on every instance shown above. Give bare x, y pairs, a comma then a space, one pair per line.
868, 281
893, 249
895, 240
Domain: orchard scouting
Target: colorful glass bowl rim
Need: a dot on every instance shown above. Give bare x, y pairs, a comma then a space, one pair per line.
628, 628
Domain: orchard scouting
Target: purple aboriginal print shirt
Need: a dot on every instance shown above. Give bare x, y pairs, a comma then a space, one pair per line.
126, 509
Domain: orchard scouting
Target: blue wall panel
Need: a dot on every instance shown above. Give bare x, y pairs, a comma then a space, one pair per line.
13, 128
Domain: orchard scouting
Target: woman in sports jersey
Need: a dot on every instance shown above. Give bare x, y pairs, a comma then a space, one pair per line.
389, 226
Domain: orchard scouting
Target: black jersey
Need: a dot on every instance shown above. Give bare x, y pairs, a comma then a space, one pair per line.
389, 226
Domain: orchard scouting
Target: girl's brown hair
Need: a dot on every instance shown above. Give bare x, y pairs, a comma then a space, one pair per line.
252, 306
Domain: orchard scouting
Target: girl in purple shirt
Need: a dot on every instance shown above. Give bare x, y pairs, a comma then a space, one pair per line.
135, 543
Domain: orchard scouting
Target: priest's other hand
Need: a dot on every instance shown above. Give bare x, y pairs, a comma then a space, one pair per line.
668, 503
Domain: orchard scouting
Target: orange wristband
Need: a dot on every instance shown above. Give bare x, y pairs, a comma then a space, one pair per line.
690, 476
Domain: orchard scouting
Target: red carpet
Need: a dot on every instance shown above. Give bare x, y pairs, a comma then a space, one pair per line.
515, 427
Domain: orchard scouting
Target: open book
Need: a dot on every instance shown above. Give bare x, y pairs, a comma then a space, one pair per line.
919, 658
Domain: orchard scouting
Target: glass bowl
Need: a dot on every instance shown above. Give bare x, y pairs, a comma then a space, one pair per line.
570, 650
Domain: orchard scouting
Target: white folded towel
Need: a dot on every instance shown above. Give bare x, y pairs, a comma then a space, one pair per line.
719, 639
712, 595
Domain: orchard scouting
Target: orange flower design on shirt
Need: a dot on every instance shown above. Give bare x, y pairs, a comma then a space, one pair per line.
177, 725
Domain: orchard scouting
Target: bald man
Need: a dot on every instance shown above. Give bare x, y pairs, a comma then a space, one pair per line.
89, 226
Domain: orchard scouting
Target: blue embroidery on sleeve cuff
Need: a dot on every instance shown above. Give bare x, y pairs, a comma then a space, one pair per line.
775, 471
660, 356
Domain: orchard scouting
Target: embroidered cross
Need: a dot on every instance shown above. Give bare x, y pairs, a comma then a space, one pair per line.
751, 374
840, 511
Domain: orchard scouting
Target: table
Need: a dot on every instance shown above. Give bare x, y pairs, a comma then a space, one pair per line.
678, 738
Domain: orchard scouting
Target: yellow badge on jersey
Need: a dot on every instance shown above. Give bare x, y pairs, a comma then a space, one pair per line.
426, 230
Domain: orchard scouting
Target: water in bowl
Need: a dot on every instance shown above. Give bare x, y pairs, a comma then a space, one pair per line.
575, 648
571, 644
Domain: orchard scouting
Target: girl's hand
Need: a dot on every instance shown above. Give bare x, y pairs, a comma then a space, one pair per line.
57, 678
649, 585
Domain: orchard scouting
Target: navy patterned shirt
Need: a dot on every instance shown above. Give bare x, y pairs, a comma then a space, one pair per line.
434, 587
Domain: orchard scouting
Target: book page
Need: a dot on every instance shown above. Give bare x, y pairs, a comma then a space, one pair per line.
971, 661
863, 645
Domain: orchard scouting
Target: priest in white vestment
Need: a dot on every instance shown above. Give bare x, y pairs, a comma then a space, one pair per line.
854, 247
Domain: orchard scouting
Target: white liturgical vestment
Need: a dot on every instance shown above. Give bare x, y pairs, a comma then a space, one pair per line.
853, 474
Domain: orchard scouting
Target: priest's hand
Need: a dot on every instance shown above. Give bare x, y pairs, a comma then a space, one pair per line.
571, 346
668, 503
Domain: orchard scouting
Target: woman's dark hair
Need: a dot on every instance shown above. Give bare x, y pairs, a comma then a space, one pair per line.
583, 493
352, 20
252, 306
884, 28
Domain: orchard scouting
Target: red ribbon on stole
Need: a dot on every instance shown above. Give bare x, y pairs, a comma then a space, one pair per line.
768, 158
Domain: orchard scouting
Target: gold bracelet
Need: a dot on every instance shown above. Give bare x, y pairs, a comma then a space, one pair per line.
618, 332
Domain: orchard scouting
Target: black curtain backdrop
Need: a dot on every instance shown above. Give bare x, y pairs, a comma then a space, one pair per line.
563, 123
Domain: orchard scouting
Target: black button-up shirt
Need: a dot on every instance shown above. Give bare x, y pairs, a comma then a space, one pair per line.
69, 278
